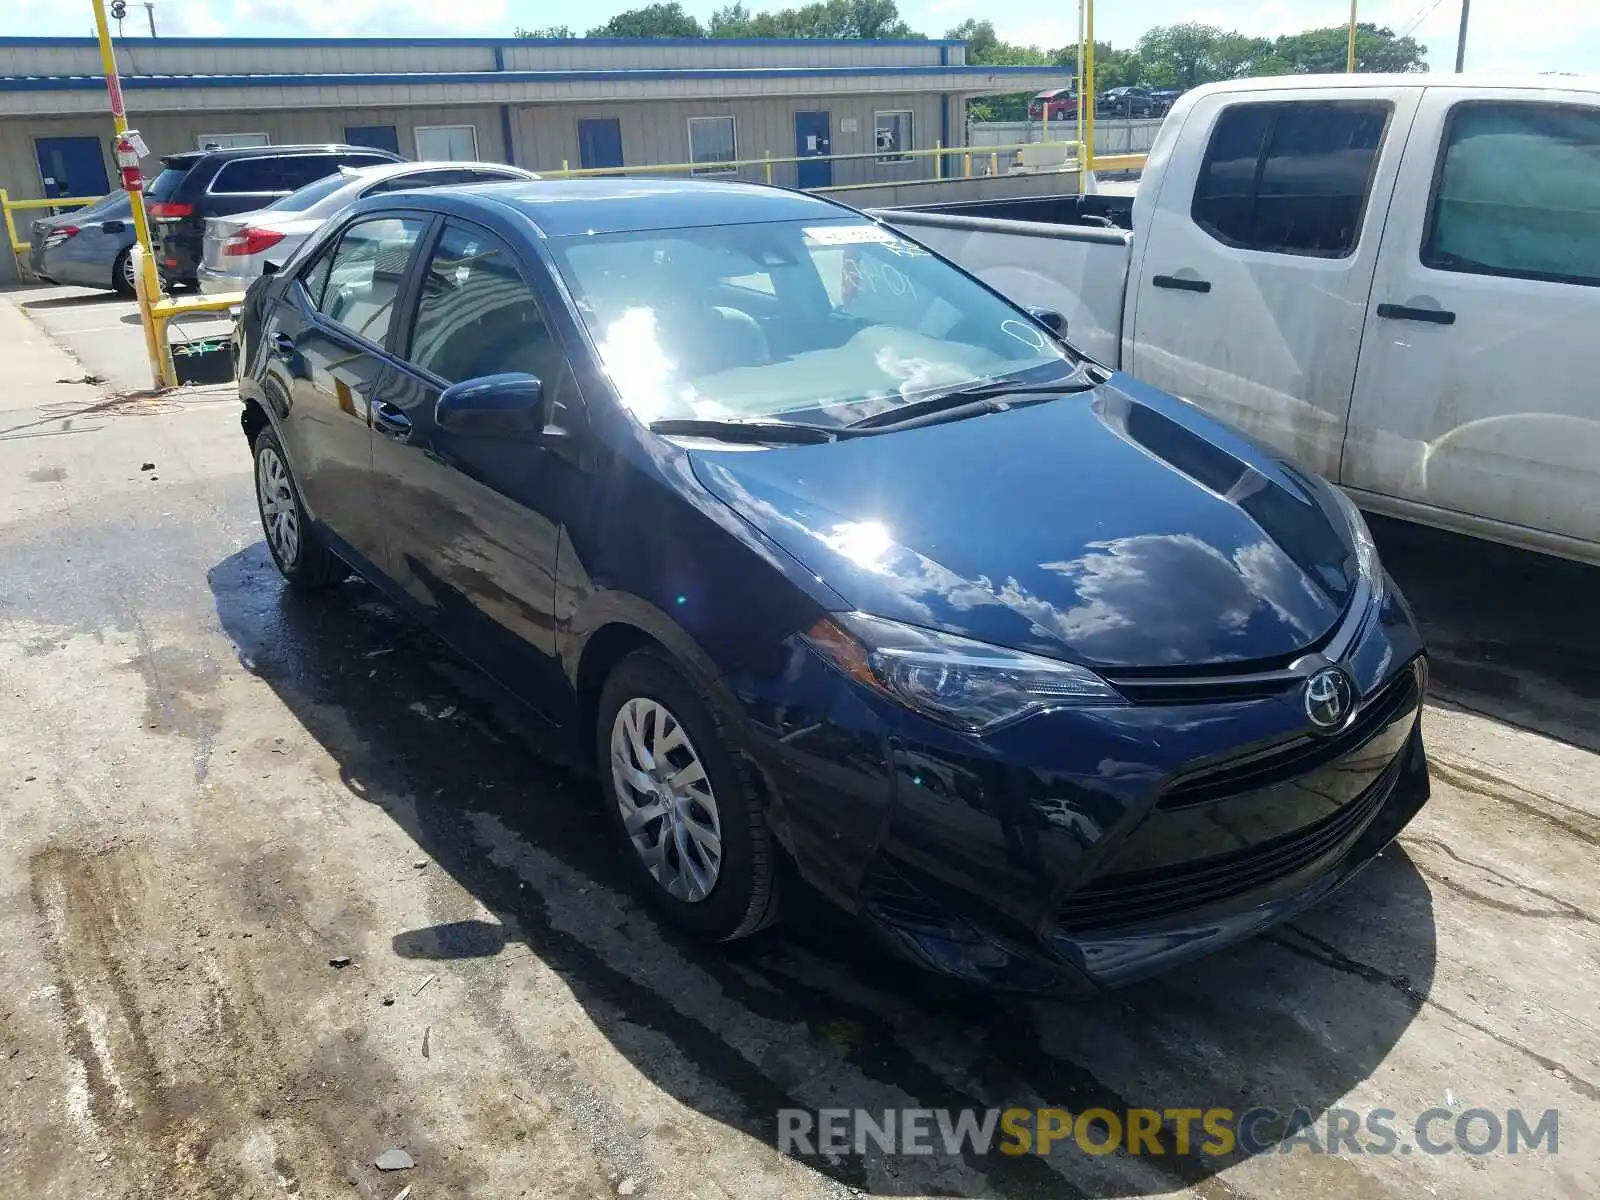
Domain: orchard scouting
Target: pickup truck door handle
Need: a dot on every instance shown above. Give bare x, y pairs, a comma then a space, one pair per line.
1404, 312
1181, 285
283, 344
390, 421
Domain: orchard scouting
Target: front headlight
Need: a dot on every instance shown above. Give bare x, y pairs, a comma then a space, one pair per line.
968, 685
1366, 549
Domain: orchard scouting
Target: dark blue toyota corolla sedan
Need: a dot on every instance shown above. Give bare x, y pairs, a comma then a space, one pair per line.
830, 555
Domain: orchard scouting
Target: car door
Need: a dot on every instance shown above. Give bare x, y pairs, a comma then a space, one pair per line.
1476, 389
1257, 261
325, 345
473, 520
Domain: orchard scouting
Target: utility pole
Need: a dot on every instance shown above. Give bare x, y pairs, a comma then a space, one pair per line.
1350, 47
1461, 38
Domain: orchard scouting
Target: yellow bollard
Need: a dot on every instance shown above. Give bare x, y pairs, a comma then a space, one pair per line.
768, 156
966, 164
994, 162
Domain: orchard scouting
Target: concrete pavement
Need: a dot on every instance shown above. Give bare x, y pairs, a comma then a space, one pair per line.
212, 788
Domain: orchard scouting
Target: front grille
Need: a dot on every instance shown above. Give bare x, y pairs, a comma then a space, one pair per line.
1291, 760
1135, 897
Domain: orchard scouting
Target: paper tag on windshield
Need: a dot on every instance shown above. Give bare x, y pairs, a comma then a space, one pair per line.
848, 235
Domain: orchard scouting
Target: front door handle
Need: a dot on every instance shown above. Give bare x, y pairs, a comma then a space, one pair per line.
1404, 312
1181, 285
283, 344
390, 420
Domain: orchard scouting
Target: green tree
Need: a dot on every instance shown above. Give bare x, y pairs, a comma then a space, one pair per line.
549, 32
651, 21
1323, 51
1189, 54
826, 19
1112, 67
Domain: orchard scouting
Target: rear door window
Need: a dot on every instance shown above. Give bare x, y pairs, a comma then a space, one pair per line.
1518, 193
414, 180
357, 285
284, 173
1290, 178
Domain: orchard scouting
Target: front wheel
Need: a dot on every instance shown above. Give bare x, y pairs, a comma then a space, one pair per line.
302, 557
681, 804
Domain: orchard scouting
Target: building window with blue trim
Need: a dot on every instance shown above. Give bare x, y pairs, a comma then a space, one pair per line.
712, 141
892, 131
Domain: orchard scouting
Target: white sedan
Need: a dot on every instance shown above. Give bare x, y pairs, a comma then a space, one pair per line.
236, 247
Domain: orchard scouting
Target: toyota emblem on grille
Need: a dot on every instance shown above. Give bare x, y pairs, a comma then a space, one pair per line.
1329, 697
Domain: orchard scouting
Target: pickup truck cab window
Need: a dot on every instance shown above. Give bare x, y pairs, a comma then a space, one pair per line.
1518, 193
1290, 178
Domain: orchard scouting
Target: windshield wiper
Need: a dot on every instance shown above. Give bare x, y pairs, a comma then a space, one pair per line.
969, 401
746, 431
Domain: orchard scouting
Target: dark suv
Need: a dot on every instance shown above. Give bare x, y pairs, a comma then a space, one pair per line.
217, 183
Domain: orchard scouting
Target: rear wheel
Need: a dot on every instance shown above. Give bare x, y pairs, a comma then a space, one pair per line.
302, 557
122, 278
680, 802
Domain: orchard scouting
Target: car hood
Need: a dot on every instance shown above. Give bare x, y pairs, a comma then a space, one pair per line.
1121, 528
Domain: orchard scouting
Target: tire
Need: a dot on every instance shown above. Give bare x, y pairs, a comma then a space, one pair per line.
121, 280
742, 896
302, 557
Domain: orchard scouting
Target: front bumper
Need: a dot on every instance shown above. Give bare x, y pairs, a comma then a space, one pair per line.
1082, 849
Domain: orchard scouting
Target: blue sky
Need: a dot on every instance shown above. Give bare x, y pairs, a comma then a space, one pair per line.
1516, 35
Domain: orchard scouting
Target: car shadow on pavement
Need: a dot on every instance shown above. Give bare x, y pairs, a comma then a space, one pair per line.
811, 1014
87, 299
1511, 634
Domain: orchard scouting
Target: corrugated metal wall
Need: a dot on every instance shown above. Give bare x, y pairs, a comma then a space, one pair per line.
143, 57
547, 135
544, 134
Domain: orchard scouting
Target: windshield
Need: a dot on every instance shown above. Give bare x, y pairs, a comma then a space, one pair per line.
825, 321
303, 199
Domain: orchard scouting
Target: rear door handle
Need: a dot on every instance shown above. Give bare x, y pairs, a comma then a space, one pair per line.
283, 344
1404, 312
1181, 285
390, 420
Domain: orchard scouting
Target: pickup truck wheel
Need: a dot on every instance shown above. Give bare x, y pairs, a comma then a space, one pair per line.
681, 804
302, 557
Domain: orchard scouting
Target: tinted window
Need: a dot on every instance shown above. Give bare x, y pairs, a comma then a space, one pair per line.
414, 180
1290, 178
475, 316
364, 274
362, 160
1518, 193
166, 184
295, 171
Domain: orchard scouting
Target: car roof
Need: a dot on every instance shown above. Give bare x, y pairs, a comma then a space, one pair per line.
1465, 82
187, 158
561, 207
384, 170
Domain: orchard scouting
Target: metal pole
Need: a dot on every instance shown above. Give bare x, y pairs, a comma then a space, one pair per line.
1461, 38
1086, 99
150, 12
1350, 48
160, 370
1078, 84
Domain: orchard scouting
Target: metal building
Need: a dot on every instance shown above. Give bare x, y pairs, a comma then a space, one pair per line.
579, 103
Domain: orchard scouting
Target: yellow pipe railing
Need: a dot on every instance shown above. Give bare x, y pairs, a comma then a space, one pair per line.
767, 161
20, 245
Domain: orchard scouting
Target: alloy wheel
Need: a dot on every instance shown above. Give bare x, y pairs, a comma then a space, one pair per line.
129, 275
280, 514
669, 811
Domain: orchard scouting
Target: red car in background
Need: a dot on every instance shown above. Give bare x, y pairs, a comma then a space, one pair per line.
1058, 104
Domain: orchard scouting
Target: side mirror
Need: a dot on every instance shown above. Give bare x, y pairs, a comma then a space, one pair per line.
1050, 319
268, 267
506, 406
113, 227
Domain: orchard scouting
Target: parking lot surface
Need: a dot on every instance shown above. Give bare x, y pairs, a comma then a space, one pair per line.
213, 792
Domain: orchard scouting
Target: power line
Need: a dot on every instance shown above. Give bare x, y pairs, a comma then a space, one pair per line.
1421, 16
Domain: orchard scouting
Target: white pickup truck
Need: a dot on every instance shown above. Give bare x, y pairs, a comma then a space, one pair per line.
1393, 279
